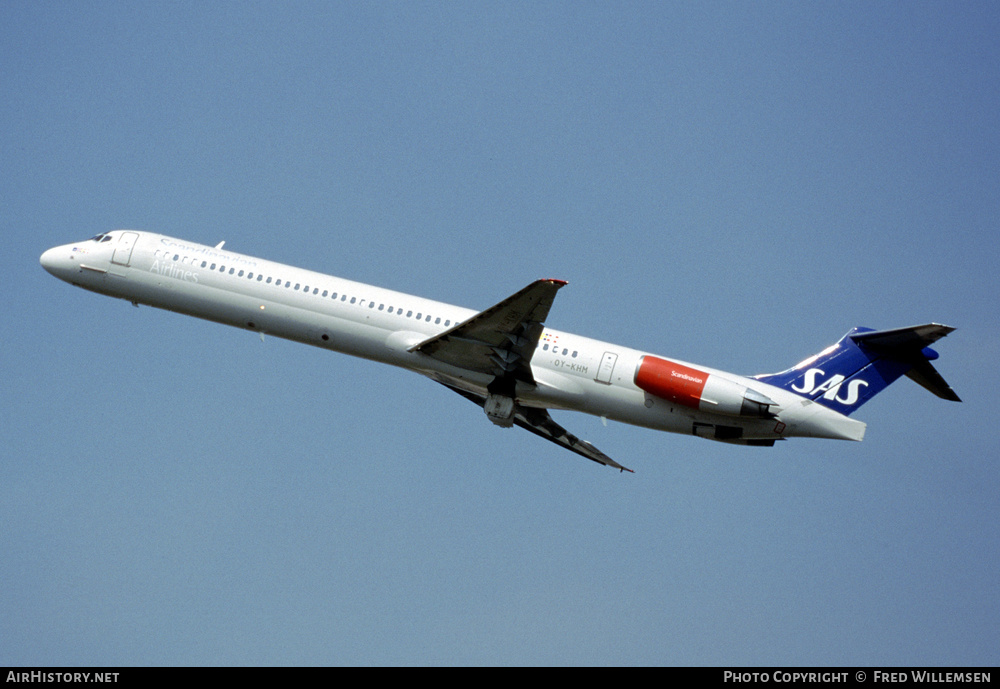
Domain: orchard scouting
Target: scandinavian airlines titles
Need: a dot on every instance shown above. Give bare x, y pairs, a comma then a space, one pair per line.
207, 251
170, 270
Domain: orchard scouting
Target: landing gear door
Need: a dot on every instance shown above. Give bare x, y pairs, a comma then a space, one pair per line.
606, 368
123, 252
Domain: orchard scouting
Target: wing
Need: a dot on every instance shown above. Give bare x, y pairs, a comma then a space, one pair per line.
501, 340
540, 423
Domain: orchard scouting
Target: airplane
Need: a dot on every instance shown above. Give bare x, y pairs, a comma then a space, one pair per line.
505, 359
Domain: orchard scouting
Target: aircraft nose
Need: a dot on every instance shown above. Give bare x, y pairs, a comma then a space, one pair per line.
48, 260
55, 260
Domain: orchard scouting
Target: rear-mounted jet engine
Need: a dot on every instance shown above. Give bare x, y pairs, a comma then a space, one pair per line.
700, 390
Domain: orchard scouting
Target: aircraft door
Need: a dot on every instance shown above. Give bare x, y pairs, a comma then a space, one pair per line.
123, 252
606, 368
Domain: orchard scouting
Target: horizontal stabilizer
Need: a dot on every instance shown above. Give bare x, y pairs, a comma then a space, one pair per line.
909, 345
927, 376
913, 339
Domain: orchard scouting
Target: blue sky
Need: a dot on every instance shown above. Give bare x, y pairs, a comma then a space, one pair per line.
734, 184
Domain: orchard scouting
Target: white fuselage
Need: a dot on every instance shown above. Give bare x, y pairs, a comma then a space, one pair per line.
571, 372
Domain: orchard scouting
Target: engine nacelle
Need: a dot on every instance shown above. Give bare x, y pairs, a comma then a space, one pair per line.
700, 390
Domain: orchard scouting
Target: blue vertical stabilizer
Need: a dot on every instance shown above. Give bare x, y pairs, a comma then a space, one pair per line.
863, 363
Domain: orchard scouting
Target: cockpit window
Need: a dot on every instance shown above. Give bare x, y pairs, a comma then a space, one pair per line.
97, 238
107, 238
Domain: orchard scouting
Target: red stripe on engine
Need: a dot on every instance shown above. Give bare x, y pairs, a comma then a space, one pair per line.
671, 381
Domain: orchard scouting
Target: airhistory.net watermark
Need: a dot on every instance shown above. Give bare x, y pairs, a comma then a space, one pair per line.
62, 677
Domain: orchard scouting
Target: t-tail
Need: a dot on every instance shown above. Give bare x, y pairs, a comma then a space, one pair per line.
863, 363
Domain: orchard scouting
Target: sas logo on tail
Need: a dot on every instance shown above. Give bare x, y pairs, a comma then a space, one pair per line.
829, 387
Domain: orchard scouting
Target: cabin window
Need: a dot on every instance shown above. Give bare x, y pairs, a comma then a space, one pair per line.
326, 292
240, 273
353, 299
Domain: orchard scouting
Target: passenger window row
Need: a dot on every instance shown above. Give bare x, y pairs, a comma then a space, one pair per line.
299, 287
